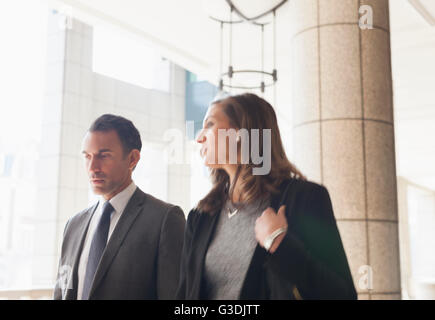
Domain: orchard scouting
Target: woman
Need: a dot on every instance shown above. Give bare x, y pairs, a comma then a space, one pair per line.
269, 236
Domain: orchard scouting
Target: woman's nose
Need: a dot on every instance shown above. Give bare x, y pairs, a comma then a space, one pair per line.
200, 137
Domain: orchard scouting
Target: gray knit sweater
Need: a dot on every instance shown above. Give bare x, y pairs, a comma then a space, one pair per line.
231, 250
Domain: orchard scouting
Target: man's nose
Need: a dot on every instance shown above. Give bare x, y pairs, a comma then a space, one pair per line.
93, 165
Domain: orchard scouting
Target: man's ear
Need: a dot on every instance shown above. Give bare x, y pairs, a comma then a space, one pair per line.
134, 158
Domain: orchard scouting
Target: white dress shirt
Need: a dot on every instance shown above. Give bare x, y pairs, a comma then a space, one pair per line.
118, 202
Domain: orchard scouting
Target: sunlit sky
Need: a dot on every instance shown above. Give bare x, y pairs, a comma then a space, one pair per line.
23, 29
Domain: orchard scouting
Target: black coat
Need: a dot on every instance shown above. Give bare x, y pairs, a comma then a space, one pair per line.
310, 262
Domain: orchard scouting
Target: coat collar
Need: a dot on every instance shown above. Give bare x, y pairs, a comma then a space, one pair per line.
252, 284
206, 229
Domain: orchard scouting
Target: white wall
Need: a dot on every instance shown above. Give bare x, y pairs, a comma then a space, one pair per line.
417, 243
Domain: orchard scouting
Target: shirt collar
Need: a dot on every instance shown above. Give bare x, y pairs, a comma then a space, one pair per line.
119, 201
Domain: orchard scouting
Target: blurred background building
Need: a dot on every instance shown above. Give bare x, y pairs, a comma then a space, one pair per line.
355, 103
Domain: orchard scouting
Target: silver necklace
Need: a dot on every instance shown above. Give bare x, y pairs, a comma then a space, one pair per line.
232, 213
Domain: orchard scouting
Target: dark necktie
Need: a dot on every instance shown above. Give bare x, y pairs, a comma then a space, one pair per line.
97, 247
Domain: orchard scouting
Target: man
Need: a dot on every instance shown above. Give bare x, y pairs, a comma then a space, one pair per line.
128, 245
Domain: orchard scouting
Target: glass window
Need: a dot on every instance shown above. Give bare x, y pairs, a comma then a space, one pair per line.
23, 30
124, 58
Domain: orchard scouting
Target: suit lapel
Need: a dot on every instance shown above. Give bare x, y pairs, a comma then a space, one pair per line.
72, 294
207, 229
130, 213
252, 286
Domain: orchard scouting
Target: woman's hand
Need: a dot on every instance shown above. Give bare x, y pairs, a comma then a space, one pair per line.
267, 223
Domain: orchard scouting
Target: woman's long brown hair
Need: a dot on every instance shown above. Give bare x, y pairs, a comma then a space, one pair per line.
249, 111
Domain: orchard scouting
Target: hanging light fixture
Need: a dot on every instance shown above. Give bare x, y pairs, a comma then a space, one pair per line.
258, 13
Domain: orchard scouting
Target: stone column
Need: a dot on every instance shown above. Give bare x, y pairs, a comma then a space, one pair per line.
344, 130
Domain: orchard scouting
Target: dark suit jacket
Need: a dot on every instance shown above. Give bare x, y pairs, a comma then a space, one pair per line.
310, 262
141, 259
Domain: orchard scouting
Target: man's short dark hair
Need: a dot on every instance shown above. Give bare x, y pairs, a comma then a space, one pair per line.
127, 132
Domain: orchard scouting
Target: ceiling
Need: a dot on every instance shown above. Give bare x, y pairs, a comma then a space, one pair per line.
184, 33
426, 8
